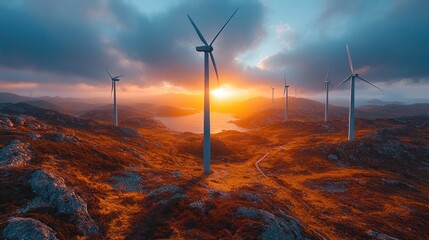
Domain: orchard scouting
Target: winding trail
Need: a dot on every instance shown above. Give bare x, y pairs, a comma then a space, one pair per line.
257, 165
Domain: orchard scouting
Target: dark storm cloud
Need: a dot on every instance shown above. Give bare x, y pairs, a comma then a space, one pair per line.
77, 40
51, 36
165, 43
390, 45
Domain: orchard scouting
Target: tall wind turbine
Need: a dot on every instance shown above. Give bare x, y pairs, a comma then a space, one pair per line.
286, 95
272, 94
353, 76
115, 112
207, 49
327, 85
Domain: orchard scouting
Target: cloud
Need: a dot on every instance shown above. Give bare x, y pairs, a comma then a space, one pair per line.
75, 41
51, 36
391, 46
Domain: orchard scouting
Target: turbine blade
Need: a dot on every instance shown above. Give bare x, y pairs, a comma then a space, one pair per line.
111, 91
370, 83
109, 74
345, 80
350, 59
119, 76
215, 68
223, 27
284, 77
198, 31
284, 92
327, 75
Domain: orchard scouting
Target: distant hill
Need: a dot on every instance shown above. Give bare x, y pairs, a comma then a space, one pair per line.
309, 110
13, 98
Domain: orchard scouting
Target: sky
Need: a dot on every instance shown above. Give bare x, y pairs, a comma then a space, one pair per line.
63, 48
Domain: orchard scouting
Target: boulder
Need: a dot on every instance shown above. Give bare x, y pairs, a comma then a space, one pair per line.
128, 181
15, 153
131, 132
65, 138
51, 191
5, 123
27, 228
276, 227
33, 136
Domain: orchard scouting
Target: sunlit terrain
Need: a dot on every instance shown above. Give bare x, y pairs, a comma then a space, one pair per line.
301, 179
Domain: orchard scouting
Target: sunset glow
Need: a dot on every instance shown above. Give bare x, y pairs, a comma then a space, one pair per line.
221, 93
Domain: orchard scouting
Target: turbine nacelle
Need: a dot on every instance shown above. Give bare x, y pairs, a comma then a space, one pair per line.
206, 48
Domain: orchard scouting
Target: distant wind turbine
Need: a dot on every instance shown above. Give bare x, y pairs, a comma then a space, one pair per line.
327, 85
286, 95
352, 76
207, 49
115, 112
272, 94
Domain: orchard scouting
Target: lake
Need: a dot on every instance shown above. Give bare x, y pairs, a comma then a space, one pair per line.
194, 123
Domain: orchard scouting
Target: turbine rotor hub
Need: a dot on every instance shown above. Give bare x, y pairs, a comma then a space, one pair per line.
206, 48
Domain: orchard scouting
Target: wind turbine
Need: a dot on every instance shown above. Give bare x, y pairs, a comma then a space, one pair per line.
285, 94
353, 76
272, 94
327, 84
207, 49
115, 112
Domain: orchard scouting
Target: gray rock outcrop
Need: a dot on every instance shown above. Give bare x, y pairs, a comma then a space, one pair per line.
27, 228
51, 191
276, 227
15, 153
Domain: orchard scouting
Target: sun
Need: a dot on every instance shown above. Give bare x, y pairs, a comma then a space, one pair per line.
220, 93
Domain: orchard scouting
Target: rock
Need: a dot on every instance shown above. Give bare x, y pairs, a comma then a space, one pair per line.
27, 228
177, 174
199, 204
131, 132
332, 157
379, 236
252, 196
33, 136
277, 227
213, 193
20, 120
15, 153
166, 188
64, 138
51, 191
5, 123
128, 182
31, 122
179, 196
332, 186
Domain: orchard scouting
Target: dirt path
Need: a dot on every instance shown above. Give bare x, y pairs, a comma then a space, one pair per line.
257, 165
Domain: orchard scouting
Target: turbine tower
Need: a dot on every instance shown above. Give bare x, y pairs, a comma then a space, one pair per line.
286, 95
115, 112
353, 76
327, 84
272, 94
207, 49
